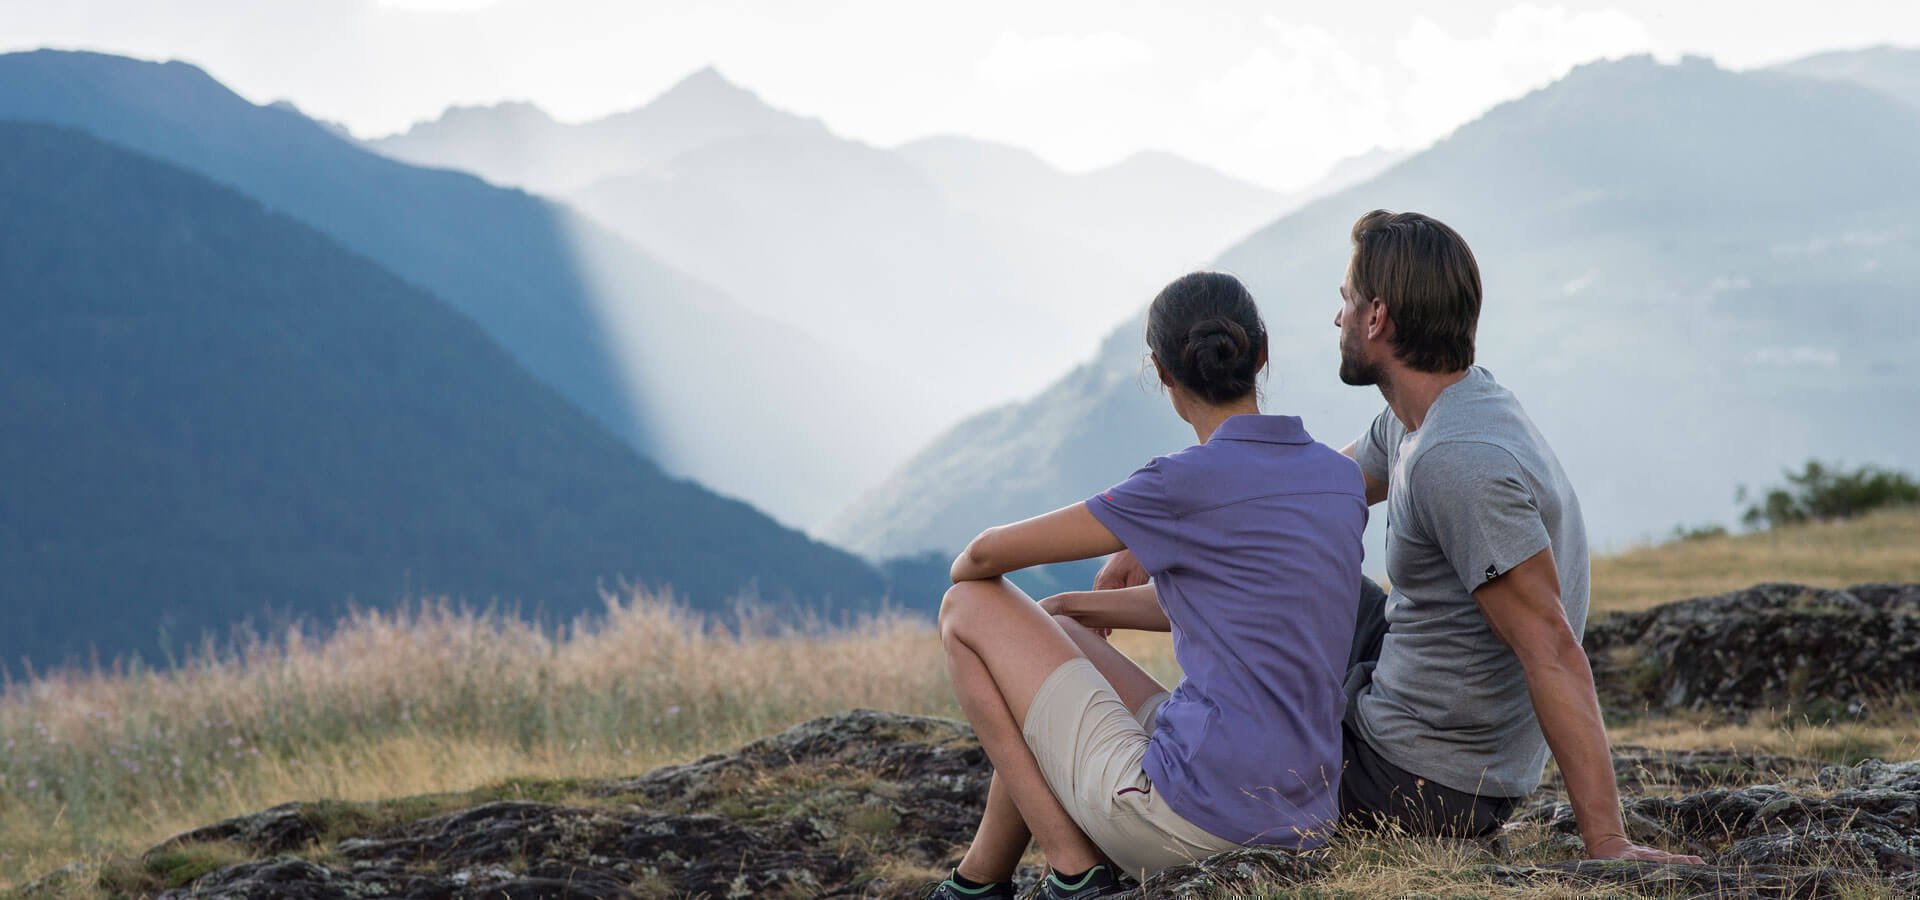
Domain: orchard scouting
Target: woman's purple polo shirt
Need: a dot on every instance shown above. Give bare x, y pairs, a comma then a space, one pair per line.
1253, 542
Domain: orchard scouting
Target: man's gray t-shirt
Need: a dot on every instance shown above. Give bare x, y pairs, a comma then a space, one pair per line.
1472, 493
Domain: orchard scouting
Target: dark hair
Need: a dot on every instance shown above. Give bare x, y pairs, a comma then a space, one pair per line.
1426, 275
1206, 332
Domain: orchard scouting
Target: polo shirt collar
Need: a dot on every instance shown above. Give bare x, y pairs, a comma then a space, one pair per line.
1264, 429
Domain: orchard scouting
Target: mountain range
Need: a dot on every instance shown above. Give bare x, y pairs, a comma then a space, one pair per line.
1894, 71
210, 411
971, 273
253, 364
1694, 279
671, 365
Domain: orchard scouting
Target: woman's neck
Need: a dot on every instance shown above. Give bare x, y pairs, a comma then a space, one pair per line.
1206, 419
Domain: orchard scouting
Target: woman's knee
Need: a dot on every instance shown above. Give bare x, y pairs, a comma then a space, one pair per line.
960, 605
968, 605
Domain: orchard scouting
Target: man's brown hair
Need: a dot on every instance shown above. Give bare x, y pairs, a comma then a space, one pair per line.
1426, 275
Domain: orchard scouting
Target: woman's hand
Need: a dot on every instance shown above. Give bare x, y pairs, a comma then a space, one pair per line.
1063, 605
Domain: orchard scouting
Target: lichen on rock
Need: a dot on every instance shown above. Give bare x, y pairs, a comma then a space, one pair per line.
1826, 653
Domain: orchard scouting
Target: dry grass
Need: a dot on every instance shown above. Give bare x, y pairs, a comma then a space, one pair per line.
429, 700
1891, 732
1880, 546
96, 765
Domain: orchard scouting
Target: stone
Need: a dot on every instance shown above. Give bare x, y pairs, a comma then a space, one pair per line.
1821, 653
1688, 882
840, 806
1868, 828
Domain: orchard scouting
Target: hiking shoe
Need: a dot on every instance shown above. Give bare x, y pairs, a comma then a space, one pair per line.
1100, 881
951, 890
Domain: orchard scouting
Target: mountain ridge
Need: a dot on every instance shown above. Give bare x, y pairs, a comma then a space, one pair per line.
613, 329
1610, 230
222, 412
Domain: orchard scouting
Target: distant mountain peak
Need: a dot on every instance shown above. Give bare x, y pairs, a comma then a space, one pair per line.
1174, 169
702, 102
706, 86
515, 112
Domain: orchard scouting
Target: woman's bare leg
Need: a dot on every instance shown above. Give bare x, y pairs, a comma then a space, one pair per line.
1003, 836
1001, 839
1000, 648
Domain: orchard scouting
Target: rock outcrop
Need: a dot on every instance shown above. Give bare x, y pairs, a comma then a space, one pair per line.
1844, 825
1823, 653
870, 804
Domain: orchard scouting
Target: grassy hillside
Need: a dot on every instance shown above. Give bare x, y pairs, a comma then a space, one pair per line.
1881, 546
437, 700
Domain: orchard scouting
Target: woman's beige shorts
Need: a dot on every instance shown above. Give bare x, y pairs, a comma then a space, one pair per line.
1090, 747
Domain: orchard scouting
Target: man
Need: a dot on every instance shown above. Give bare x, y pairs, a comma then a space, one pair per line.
1462, 680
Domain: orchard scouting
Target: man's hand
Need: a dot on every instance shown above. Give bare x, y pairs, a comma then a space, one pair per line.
1121, 570
1618, 847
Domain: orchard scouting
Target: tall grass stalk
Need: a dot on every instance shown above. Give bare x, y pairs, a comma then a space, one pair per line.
429, 698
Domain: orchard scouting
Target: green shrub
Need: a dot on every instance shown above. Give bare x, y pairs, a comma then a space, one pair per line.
1822, 493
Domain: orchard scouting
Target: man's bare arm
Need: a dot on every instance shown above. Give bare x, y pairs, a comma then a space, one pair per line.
1137, 608
1376, 490
1523, 608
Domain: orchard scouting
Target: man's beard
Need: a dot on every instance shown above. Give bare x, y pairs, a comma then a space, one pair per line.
1355, 370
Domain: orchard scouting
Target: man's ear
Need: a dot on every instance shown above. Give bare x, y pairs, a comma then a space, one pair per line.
1379, 320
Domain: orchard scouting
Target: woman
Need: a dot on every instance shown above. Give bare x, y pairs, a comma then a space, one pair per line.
1252, 537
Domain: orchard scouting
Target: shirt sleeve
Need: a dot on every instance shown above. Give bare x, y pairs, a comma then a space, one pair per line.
1137, 512
1474, 502
1370, 451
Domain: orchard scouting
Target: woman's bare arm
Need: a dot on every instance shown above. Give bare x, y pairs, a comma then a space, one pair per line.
1136, 608
1066, 534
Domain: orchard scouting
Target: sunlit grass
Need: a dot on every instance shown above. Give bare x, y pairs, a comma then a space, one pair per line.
1880, 546
104, 765
430, 700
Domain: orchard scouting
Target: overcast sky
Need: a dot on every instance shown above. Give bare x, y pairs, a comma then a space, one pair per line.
1272, 92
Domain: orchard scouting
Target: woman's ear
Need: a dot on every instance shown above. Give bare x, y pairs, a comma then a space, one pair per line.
1166, 380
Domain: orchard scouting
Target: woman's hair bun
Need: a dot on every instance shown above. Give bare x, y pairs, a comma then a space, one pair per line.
1206, 331
1216, 348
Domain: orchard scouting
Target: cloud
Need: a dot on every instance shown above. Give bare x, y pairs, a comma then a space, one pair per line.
1453, 79
1298, 101
1017, 59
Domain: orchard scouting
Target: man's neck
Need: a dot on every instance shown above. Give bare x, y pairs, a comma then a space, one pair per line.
1410, 394
1207, 420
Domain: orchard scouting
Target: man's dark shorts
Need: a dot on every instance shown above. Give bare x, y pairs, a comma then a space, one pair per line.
1375, 793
